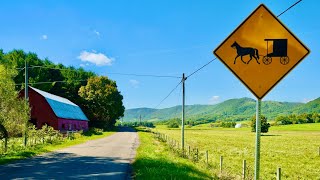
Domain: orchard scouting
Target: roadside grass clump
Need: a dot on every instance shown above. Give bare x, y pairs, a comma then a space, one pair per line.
155, 160
93, 131
294, 148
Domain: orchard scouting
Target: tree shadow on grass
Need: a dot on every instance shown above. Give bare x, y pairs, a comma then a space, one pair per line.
147, 168
270, 135
16, 156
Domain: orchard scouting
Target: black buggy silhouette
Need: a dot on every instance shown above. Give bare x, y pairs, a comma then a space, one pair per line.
280, 47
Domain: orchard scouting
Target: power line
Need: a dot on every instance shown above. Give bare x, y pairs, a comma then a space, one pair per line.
289, 8
201, 67
145, 75
46, 67
47, 82
168, 95
124, 74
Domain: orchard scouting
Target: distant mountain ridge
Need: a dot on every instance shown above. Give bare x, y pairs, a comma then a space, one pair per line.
239, 109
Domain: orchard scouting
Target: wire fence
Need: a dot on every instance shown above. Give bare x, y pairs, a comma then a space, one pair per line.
35, 137
205, 159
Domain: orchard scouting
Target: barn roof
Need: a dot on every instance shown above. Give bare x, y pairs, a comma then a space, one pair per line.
62, 107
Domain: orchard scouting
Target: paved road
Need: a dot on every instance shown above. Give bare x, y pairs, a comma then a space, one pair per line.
106, 158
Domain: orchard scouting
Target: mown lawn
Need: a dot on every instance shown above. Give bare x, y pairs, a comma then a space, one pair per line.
154, 160
22, 153
294, 148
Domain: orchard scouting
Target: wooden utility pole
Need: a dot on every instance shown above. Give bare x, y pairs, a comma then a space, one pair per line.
26, 97
183, 111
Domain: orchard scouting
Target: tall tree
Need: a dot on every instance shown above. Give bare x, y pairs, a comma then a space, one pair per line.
264, 124
103, 101
14, 112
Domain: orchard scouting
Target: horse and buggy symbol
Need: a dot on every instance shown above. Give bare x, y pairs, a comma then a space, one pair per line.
280, 49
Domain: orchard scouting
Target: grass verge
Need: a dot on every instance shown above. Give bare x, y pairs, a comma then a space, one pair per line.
44, 148
154, 160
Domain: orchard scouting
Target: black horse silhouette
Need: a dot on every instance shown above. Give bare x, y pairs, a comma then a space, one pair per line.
242, 51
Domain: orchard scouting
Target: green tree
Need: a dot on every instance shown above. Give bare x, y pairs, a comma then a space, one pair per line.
103, 101
14, 112
264, 124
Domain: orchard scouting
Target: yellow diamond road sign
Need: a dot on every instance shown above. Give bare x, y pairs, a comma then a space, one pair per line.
261, 51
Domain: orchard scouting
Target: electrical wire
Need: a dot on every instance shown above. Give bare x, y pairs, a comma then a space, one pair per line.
145, 75
289, 8
124, 74
201, 67
51, 82
168, 95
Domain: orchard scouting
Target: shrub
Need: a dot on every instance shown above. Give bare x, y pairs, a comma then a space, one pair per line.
228, 124
93, 131
173, 124
284, 120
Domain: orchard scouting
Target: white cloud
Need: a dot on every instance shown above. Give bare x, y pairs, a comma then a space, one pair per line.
134, 83
44, 37
214, 100
96, 32
98, 59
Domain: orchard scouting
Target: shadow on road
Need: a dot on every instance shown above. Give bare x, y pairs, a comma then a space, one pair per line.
65, 166
125, 129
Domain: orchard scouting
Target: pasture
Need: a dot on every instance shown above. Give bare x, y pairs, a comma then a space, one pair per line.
294, 148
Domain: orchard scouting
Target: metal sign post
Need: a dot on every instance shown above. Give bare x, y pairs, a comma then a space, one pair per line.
258, 134
246, 53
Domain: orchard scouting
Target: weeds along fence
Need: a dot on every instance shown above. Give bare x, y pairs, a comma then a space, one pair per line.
35, 137
205, 159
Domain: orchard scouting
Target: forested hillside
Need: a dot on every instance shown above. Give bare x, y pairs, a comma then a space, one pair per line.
233, 109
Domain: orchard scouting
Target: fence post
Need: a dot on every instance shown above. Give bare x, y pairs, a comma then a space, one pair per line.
279, 173
189, 151
207, 158
197, 155
221, 163
244, 169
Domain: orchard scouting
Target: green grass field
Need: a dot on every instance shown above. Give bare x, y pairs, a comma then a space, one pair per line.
154, 160
294, 148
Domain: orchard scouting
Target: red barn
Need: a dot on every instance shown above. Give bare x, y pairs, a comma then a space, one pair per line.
55, 111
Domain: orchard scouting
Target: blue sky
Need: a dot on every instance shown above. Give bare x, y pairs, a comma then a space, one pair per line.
159, 38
